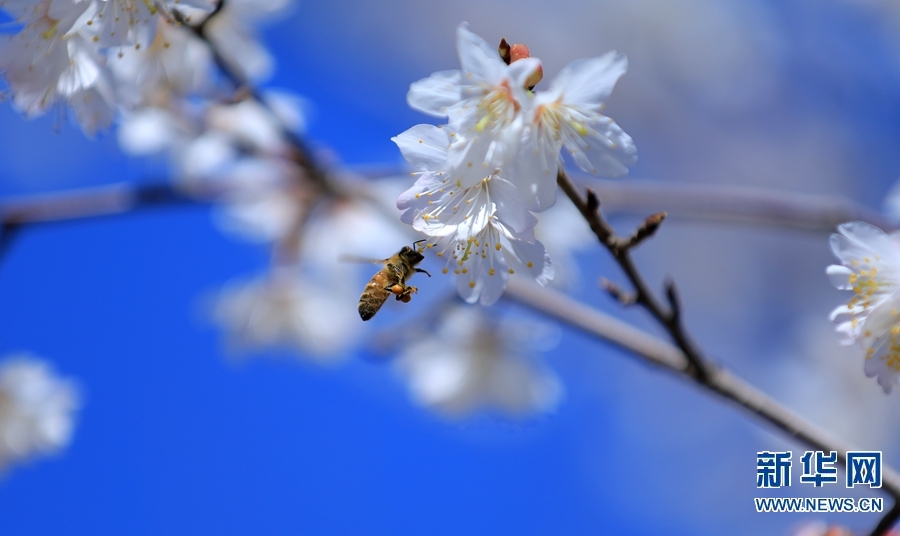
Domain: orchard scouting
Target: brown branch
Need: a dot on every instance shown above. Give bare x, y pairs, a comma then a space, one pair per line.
733, 204
672, 359
589, 206
301, 155
693, 364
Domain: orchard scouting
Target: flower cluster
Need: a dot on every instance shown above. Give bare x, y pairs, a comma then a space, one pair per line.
870, 267
36, 409
100, 57
482, 175
473, 363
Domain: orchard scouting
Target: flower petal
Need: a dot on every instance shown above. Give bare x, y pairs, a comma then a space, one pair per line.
589, 82
436, 94
424, 146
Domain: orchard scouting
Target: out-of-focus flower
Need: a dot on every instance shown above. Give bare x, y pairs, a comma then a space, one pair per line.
175, 64
54, 60
563, 230
870, 267
132, 22
288, 310
310, 303
37, 409
473, 363
232, 32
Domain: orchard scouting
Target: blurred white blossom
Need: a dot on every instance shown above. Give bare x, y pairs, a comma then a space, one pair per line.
308, 302
287, 310
100, 57
37, 409
174, 64
870, 267
54, 60
233, 33
131, 22
474, 363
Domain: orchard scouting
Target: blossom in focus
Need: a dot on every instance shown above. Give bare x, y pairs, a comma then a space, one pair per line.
483, 231
870, 267
482, 175
472, 363
483, 101
37, 409
568, 114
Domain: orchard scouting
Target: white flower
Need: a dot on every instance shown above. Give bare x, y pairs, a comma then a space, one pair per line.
263, 201
152, 130
174, 63
232, 33
133, 22
483, 102
483, 229
288, 310
568, 114
36, 409
871, 269
472, 363
498, 126
53, 60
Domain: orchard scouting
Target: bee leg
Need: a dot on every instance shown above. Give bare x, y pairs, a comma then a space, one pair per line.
421, 271
407, 293
396, 288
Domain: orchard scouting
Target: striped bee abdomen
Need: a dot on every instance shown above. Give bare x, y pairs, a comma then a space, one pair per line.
374, 295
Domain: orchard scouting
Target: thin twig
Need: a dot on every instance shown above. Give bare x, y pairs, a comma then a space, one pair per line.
672, 359
697, 366
692, 362
733, 204
302, 156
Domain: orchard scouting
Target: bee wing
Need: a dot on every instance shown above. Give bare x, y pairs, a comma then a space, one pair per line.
362, 260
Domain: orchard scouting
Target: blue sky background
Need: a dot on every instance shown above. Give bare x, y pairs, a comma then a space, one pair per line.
173, 438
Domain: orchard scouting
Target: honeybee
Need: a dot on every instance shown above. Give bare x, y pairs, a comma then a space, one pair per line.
391, 280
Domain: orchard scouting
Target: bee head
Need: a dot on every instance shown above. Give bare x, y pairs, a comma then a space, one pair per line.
411, 256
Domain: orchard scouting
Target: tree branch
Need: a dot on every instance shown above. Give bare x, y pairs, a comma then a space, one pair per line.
620, 249
672, 359
691, 362
301, 155
733, 204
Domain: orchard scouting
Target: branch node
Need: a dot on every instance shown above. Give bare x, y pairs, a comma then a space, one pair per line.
674, 301
614, 290
593, 202
644, 231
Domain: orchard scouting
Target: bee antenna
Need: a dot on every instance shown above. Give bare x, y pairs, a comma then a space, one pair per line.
417, 242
